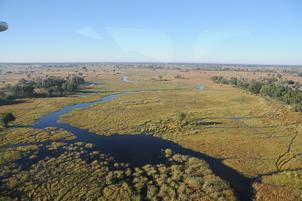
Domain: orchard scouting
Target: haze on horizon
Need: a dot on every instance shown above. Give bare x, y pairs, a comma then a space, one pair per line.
248, 32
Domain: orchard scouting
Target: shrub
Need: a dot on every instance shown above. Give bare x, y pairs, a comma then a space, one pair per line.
298, 108
6, 118
152, 192
194, 182
168, 153
51, 86
286, 91
255, 87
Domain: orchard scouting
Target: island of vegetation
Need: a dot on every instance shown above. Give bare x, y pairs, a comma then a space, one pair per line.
49, 87
287, 91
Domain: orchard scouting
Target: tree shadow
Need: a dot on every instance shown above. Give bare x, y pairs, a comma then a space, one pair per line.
11, 102
87, 92
207, 123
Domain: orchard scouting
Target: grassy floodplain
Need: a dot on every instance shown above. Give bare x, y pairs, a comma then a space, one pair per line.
79, 174
30, 156
254, 135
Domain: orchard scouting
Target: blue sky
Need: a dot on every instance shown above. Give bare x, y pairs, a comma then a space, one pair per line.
206, 31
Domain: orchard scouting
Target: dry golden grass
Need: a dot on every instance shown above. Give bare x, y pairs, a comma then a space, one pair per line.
250, 133
266, 192
246, 127
30, 109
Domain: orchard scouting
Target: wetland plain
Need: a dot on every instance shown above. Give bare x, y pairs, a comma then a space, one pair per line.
146, 133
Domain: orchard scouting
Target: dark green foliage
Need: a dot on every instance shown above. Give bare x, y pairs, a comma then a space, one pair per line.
286, 91
182, 116
298, 108
22, 89
6, 118
255, 87
233, 81
220, 79
51, 86
54, 91
243, 84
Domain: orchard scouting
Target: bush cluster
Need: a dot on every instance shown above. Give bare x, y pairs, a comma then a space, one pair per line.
286, 91
83, 174
49, 87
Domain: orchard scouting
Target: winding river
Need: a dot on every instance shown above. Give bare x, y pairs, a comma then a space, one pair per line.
138, 150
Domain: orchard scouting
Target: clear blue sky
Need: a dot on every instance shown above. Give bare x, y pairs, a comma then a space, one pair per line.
215, 31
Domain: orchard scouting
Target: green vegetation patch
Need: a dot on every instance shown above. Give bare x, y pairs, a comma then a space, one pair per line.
18, 143
287, 91
82, 174
30, 136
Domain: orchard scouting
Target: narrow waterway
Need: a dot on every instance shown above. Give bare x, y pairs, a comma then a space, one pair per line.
200, 87
125, 79
138, 150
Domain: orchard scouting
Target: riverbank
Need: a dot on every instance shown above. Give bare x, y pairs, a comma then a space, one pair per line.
219, 121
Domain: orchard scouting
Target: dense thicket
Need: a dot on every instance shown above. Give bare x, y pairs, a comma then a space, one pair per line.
81, 174
48, 87
286, 91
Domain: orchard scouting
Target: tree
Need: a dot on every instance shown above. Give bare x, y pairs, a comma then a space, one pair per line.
50, 86
23, 89
233, 81
6, 118
54, 91
255, 87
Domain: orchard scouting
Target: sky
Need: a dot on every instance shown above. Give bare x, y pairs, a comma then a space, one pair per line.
197, 31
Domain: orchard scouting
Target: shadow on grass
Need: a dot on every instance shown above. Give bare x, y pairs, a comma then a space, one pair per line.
8, 193
207, 123
87, 92
11, 102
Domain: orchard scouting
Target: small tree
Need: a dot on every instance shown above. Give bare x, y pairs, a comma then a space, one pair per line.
6, 118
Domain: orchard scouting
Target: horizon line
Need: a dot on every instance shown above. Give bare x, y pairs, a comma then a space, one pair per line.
152, 62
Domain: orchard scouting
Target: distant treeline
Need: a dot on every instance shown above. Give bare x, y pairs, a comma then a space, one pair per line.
48, 87
286, 91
